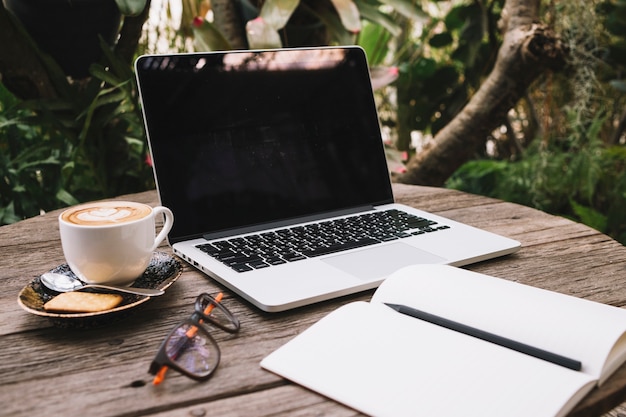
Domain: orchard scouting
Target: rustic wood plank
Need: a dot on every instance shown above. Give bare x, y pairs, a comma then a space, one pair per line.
107, 367
288, 401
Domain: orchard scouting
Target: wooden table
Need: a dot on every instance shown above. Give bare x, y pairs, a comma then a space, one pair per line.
50, 371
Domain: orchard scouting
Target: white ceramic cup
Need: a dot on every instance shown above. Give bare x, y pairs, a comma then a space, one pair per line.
111, 242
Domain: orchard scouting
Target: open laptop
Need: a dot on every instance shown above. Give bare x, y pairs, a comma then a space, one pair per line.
253, 149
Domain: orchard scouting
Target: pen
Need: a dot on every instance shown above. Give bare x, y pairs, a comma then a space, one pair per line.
489, 337
160, 375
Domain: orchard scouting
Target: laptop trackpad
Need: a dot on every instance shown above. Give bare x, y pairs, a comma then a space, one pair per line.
381, 261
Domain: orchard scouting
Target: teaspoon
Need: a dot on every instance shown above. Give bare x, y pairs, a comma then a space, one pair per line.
64, 283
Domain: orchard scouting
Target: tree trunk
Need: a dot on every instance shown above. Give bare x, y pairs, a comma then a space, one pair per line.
130, 34
229, 23
528, 50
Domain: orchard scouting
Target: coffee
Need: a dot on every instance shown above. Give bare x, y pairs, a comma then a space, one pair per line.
111, 242
106, 213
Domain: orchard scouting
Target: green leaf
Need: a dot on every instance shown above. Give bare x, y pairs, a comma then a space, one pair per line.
65, 197
589, 216
68, 169
455, 19
424, 68
4, 123
207, 37
101, 73
261, 35
114, 63
374, 15
406, 8
276, 13
331, 21
131, 7
7, 99
136, 144
112, 96
349, 14
474, 26
374, 39
7, 214
440, 40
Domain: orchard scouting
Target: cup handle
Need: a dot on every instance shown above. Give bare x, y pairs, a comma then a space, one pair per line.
169, 221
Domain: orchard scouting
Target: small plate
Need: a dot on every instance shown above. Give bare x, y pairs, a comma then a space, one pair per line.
162, 272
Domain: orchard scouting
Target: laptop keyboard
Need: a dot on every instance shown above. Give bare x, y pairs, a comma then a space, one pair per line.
300, 242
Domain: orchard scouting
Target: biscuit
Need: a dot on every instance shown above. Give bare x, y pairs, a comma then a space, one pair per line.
82, 302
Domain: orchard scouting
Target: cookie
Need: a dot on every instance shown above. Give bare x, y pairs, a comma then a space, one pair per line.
82, 302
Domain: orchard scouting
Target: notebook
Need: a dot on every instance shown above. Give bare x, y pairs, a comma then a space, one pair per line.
493, 348
253, 149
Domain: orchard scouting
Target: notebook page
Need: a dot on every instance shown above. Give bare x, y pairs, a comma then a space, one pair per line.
570, 326
382, 363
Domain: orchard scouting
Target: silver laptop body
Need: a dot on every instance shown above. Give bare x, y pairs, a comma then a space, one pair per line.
252, 150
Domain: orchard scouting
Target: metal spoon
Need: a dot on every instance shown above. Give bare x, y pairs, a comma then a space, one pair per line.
64, 283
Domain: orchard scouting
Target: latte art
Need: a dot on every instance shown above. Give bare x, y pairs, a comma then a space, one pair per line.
104, 214
108, 213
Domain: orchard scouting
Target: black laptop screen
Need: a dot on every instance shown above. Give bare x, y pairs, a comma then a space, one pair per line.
241, 139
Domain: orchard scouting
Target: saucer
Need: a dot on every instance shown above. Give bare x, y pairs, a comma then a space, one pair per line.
162, 272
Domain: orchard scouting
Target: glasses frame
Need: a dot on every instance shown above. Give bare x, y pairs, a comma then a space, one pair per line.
197, 319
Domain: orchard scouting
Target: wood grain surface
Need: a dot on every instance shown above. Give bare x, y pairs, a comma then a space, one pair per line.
46, 370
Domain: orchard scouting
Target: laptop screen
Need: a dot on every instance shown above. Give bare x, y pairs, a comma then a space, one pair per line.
245, 138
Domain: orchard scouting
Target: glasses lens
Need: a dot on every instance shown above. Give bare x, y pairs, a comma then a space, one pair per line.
216, 313
191, 348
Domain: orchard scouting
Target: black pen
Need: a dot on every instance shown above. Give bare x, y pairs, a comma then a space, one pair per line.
489, 337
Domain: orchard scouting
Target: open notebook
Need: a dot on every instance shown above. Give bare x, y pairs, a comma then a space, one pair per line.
384, 363
252, 150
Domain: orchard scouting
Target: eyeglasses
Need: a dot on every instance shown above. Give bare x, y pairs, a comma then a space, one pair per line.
189, 348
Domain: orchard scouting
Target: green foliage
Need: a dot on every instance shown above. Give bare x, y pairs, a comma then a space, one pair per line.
25, 151
577, 177
86, 144
444, 66
615, 22
374, 40
578, 169
89, 143
290, 23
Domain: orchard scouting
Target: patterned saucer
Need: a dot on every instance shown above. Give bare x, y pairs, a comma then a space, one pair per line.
162, 272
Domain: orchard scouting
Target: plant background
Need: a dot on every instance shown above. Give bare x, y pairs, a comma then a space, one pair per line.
562, 150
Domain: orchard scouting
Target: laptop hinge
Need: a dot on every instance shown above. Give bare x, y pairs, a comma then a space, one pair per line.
285, 223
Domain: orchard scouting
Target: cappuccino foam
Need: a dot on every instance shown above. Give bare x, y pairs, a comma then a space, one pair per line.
107, 213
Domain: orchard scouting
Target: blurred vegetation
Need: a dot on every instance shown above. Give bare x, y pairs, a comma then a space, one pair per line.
83, 139
563, 149
88, 143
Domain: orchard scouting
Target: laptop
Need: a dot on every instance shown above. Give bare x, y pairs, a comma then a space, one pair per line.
269, 159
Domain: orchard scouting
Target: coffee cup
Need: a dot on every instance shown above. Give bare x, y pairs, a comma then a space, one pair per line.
111, 242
